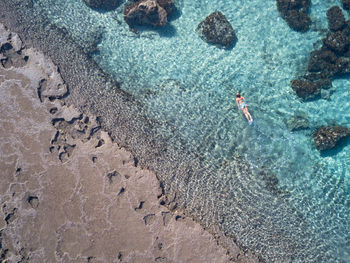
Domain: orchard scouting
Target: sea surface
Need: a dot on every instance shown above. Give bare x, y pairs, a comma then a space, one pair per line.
270, 189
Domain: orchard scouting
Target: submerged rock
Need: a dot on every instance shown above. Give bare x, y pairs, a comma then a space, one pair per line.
216, 29
271, 183
346, 4
309, 87
149, 12
306, 89
103, 4
299, 21
336, 19
337, 42
342, 66
298, 122
295, 13
327, 137
322, 60
327, 64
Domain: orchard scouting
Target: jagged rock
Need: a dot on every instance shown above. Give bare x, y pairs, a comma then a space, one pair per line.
149, 12
342, 66
327, 137
284, 6
336, 19
338, 42
327, 64
346, 4
322, 60
103, 4
299, 21
168, 5
333, 59
215, 29
13, 58
306, 89
295, 13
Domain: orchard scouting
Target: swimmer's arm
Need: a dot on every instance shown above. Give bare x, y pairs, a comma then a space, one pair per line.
237, 104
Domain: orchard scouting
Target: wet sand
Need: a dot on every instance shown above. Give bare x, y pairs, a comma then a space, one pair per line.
69, 193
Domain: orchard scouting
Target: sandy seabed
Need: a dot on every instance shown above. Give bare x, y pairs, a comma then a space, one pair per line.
68, 193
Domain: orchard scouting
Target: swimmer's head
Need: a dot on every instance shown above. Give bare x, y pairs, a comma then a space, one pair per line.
238, 95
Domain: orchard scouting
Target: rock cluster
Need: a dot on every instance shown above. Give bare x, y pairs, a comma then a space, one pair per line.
327, 137
149, 12
103, 4
307, 89
295, 13
336, 19
11, 55
216, 29
328, 62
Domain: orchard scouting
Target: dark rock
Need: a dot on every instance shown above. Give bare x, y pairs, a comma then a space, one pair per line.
5, 47
306, 89
327, 137
327, 64
338, 42
346, 28
346, 4
149, 12
336, 19
295, 13
271, 183
323, 83
215, 29
342, 66
103, 4
299, 21
284, 6
322, 60
169, 6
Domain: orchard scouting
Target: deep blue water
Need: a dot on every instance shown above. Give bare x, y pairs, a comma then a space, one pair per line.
190, 85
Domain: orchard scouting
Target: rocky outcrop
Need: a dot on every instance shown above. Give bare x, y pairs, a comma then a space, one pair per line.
337, 42
307, 89
336, 19
103, 4
149, 12
294, 12
322, 61
216, 29
327, 137
11, 56
331, 60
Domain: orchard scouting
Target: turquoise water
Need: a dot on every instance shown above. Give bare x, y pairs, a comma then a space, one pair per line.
190, 85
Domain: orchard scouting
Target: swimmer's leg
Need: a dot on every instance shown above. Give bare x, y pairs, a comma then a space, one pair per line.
249, 117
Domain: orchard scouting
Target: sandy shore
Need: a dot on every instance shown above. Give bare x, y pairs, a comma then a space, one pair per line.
69, 193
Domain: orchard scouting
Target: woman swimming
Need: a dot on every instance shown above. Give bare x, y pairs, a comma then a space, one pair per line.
242, 105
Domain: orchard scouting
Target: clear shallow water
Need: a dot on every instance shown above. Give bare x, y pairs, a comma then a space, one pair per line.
190, 85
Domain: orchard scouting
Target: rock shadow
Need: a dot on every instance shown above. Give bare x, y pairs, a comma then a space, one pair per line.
167, 31
103, 6
339, 147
